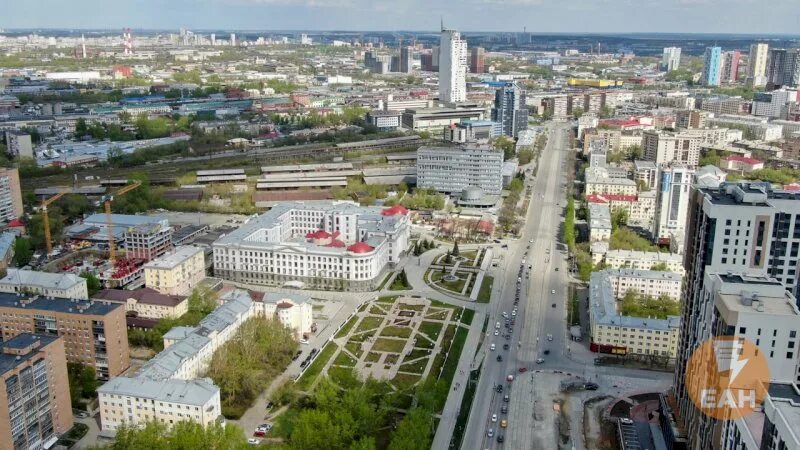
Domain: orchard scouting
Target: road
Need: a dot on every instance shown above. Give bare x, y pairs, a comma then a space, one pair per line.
540, 330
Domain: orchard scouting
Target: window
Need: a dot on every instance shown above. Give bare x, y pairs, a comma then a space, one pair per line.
742, 330
789, 355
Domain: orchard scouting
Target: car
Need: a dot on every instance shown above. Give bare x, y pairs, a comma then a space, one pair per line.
523, 369
497, 241
497, 325
539, 360
253, 441
297, 355
497, 332
504, 409
553, 305
506, 398
500, 438
556, 269
499, 388
549, 337
505, 314
490, 433
530, 242
499, 358
508, 337
260, 433
494, 418
510, 378
546, 352
82, 414
505, 346
505, 245
491, 347
304, 364
519, 279
270, 405
591, 386
552, 291
504, 423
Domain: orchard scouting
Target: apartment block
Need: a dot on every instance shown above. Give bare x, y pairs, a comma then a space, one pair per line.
612, 332
18, 144
630, 259
599, 222
176, 272
691, 119
10, 195
603, 185
653, 283
94, 333
672, 203
665, 147
61, 285
35, 406
146, 302
453, 169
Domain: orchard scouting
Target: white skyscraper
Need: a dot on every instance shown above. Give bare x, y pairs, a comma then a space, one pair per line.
233, 39
671, 59
213, 39
757, 65
452, 67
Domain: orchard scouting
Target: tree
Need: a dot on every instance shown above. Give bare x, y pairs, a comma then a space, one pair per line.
456, 251
82, 383
92, 283
23, 252
619, 217
414, 431
182, 435
203, 300
661, 267
507, 145
80, 128
577, 112
36, 228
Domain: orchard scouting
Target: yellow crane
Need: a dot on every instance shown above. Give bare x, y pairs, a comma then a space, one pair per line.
48, 240
107, 199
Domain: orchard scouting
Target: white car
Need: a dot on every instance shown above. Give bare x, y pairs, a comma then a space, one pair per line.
530, 242
539, 360
497, 332
253, 441
552, 291
549, 337
492, 347
494, 418
490, 433
304, 341
513, 313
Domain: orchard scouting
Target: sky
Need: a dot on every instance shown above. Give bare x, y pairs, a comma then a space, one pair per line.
602, 16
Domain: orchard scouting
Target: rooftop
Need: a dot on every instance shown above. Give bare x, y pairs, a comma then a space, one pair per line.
44, 280
603, 307
11, 354
192, 392
173, 258
146, 296
59, 305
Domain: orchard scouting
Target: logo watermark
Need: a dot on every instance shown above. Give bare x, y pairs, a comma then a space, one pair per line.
727, 377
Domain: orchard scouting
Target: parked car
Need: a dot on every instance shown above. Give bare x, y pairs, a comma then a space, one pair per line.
504, 423
253, 441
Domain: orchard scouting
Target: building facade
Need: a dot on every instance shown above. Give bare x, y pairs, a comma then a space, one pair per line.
176, 272
730, 66
665, 147
757, 65
672, 203
62, 285
783, 67
453, 169
452, 67
35, 406
292, 310
316, 243
671, 58
146, 302
509, 110
477, 60
712, 66
10, 195
94, 333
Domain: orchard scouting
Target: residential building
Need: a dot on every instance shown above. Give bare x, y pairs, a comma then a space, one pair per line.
35, 406
756, 128
148, 241
665, 147
176, 272
730, 66
612, 332
318, 243
672, 203
94, 333
146, 302
453, 169
133, 401
630, 259
722, 105
18, 144
712, 66
671, 59
10, 195
406, 59
509, 110
599, 222
294, 311
741, 163
774, 104
435, 119
7, 240
452, 67
645, 173
477, 60
781, 416
652, 283
640, 208
757, 65
783, 68
750, 306
691, 119
603, 185
62, 285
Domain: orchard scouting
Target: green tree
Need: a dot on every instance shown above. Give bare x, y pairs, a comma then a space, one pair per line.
80, 127
619, 217
456, 251
83, 383
183, 435
569, 224
661, 267
36, 228
414, 431
577, 112
203, 300
23, 251
92, 283
507, 145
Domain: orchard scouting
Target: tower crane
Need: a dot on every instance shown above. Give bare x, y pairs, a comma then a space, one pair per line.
48, 240
107, 199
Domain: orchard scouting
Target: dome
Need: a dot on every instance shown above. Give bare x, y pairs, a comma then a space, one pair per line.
319, 234
360, 247
395, 210
471, 194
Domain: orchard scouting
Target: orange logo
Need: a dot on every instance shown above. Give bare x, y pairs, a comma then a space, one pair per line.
727, 377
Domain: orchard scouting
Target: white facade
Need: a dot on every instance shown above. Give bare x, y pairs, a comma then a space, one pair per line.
671, 58
757, 64
672, 202
599, 222
316, 242
61, 285
665, 147
292, 310
645, 282
629, 259
607, 185
452, 67
453, 169
177, 272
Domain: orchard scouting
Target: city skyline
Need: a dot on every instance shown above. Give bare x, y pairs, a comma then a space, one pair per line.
543, 16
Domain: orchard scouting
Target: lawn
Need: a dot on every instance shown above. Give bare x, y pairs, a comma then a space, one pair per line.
388, 345
408, 307
436, 314
399, 284
467, 316
347, 327
456, 347
416, 353
454, 286
314, 370
377, 310
415, 367
485, 293
354, 348
343, 359
431, 329
369, 323
405, 381
422, 341
401, 332
372, 357
387, 299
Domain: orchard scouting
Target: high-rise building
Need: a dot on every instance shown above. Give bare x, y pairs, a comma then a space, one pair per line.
452, 67
19, 144
671, 58
757, 64
672, 204
730, 66
405, 59
10, 195
233, 39
712, 66
509, 109
783, 67
477, 60
665, 147
34, 402
213, 39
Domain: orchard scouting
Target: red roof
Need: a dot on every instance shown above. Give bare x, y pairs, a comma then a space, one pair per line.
743, 159
319, 234
360, 247
794, 187
336, 243
16, 223
605, 198
396, 210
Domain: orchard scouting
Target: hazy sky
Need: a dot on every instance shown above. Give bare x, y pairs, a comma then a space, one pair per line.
709, 16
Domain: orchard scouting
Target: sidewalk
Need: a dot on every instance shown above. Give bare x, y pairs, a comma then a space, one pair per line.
452, 407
